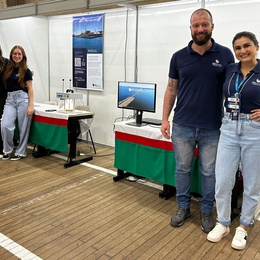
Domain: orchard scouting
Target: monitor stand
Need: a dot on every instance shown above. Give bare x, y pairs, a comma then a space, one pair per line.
138, 119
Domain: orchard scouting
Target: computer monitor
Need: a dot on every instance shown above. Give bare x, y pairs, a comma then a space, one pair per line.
137, 96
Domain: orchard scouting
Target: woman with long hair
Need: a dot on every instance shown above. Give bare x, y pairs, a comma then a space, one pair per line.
19, 105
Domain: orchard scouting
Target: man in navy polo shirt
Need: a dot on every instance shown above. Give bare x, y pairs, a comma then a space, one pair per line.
196, 77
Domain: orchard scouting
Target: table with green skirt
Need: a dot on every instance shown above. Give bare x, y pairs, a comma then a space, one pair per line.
143, 151
53, 130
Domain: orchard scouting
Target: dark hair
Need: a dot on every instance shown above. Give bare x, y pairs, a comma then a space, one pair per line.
200, 11
246, 34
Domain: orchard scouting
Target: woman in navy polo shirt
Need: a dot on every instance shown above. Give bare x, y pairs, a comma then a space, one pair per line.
239, 140
19, 103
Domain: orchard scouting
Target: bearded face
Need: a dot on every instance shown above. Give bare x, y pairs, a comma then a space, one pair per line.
201, 38
201, 27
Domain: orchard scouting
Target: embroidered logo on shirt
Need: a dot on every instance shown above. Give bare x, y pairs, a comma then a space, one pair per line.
216, 63
256, 83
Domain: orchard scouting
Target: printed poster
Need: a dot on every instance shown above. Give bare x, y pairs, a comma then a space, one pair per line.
88, 51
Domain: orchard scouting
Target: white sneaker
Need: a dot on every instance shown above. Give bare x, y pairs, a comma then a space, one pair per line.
239, 240
217, 233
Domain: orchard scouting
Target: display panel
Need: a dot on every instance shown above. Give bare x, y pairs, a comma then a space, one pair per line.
137, 96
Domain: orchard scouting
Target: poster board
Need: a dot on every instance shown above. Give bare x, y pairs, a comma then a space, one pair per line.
88, 39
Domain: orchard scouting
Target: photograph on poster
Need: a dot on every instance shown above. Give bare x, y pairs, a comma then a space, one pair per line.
88, 51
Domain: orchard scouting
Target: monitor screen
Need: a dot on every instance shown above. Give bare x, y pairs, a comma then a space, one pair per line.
137, 96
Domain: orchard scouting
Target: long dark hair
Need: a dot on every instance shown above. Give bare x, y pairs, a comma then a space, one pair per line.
2, 61
11, 66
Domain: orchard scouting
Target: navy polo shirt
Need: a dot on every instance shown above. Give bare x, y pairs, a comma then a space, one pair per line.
249, 92
200, 85
12, 81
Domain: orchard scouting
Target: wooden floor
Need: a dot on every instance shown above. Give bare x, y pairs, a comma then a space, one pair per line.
51, 212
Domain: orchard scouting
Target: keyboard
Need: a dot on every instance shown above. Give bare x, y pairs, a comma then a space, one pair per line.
151, 121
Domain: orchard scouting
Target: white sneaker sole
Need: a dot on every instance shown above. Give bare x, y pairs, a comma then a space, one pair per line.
217, 239
238, 247
16, 159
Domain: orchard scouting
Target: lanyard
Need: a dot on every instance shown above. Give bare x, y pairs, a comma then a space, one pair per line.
238, 86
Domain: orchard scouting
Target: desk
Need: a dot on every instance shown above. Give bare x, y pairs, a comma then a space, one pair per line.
143, 151
54, 130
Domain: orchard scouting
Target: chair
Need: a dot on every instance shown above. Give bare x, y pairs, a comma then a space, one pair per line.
85, 126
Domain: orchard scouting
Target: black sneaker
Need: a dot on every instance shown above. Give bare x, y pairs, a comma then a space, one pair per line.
6, 156
178, 218
207, 223
16, 158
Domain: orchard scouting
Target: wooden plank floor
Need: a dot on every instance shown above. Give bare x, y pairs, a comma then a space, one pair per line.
80, 213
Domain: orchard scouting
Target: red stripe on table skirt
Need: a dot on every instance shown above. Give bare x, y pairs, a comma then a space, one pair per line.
165, 145
50, 120
144, 141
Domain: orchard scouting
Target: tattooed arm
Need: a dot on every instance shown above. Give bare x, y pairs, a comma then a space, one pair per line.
168, 103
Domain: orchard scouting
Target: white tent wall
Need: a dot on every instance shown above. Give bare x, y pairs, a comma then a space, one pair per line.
103, 103
231, 17
60, 52
162, 30
32, 34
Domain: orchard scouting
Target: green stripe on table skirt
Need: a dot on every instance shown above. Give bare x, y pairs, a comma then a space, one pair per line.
46, 136
152, 163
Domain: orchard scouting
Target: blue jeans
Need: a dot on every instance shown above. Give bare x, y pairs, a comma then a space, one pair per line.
16, 108
184, 141
239, 141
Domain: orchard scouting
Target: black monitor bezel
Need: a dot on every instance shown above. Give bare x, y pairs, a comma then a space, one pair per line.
139, 111
138, 108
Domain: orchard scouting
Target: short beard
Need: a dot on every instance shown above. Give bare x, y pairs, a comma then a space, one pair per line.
202, 42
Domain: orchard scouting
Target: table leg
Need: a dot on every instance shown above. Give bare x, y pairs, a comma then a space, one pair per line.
42, 151
168, 191
120, 175
73, 126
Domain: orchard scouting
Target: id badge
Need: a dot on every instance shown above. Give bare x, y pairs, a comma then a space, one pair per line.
234, 115
233, 103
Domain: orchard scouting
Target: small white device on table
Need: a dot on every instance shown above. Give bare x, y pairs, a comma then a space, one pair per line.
67, 101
